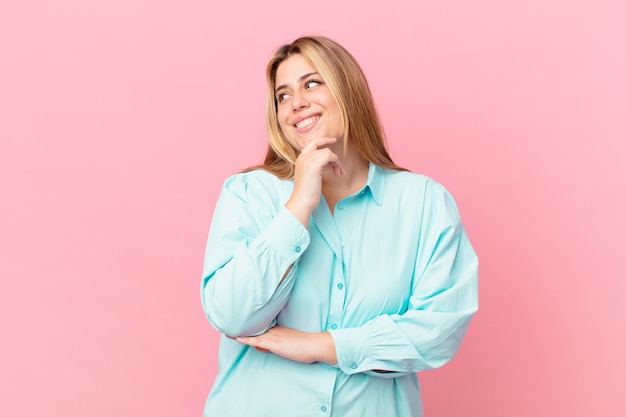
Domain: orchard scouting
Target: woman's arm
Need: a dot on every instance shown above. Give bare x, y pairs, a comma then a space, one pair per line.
443, 299
255, 242
251, 256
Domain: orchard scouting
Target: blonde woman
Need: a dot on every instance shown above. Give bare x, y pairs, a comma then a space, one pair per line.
333, 274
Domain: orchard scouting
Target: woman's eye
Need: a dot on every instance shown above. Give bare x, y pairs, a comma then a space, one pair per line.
312, 83
282, 97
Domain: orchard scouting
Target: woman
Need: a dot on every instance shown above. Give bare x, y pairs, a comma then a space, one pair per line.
333, 274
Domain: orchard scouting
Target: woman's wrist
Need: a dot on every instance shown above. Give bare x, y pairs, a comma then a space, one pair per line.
326, 345
300, 212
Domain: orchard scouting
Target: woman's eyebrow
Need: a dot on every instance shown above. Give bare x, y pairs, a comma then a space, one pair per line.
304, 77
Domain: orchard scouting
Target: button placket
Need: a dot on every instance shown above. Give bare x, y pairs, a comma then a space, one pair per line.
337, 300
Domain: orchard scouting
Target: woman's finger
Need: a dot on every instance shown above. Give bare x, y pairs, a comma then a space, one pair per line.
337, 168
317, 143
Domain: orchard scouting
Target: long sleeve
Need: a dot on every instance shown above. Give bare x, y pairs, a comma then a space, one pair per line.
444, 297
252, 242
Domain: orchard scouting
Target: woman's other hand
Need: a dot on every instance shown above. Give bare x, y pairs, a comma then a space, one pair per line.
294, 345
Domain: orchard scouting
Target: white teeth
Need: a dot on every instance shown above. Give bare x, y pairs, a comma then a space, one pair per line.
306, 122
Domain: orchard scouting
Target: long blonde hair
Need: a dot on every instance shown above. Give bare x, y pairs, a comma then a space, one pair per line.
347, 83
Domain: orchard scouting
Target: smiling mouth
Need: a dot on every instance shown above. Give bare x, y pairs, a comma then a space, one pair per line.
303, 124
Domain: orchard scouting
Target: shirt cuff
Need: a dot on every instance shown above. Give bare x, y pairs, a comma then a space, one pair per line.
286, 235
353, 348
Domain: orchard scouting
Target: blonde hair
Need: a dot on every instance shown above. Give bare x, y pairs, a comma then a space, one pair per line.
346, 82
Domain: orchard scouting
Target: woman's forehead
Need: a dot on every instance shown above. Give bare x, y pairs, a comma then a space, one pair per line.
292, 69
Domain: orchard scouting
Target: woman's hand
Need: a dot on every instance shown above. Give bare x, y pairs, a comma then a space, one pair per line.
294, 345
307, 188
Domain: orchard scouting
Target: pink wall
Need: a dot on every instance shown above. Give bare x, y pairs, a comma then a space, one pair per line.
119, 121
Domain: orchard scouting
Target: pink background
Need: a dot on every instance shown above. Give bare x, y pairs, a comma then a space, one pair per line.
120, 119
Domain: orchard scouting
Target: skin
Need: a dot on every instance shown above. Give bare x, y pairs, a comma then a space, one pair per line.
322, 168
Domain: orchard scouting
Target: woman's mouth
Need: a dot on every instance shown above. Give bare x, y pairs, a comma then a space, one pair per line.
307, 124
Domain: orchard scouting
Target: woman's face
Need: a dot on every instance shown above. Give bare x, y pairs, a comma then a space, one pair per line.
306, 109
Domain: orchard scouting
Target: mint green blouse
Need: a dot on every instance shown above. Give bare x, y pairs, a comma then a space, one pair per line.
391, 276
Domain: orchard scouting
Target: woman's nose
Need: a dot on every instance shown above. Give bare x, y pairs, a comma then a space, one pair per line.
299, 101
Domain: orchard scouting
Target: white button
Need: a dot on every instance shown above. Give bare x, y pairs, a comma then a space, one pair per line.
340, 206
298, 249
